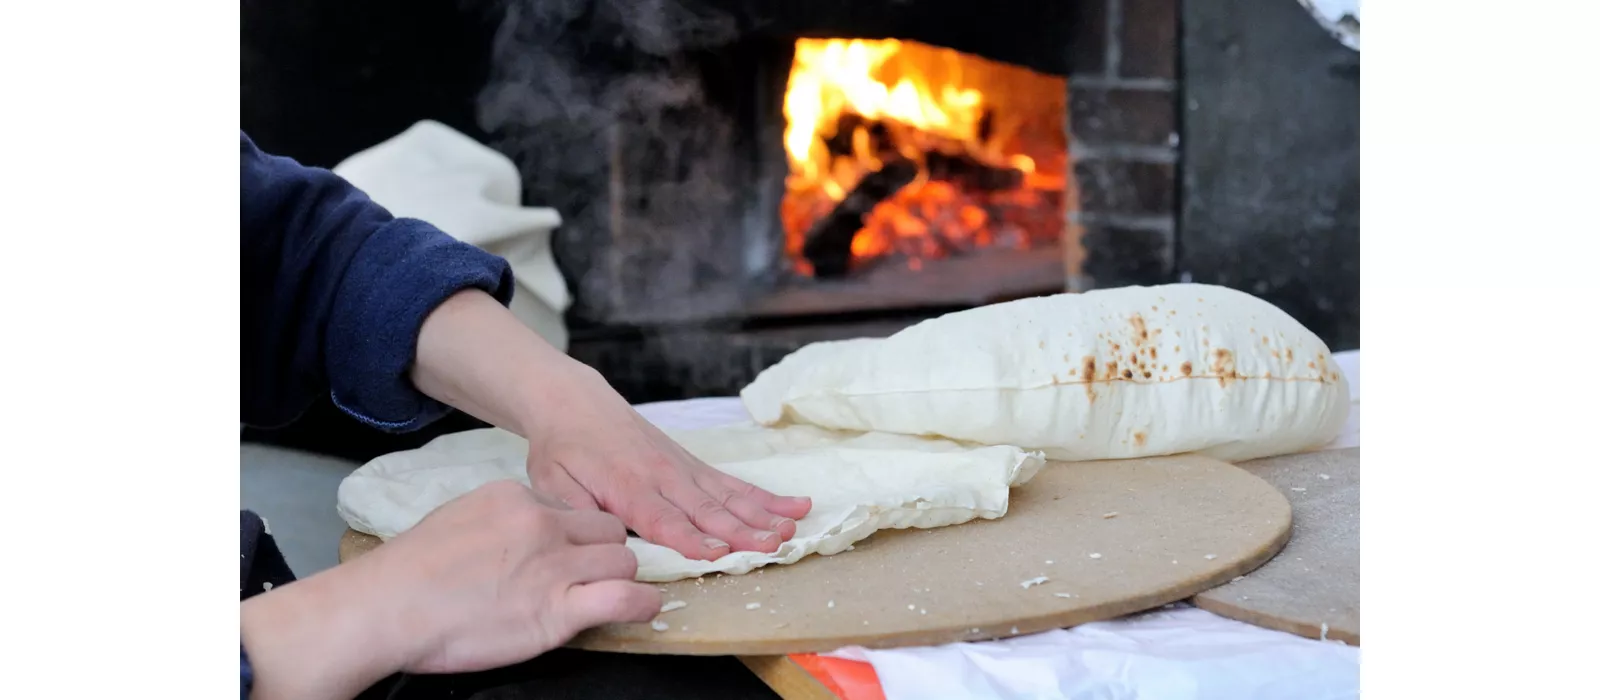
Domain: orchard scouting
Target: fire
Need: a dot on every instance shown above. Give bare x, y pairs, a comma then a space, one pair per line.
967, 152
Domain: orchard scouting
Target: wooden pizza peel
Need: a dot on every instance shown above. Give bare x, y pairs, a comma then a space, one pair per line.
1313, 587
1082, 542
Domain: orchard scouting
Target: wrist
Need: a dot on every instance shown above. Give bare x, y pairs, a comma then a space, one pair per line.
322, 637
556, 397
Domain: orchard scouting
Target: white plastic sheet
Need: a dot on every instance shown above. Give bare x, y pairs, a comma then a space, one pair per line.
1182, 653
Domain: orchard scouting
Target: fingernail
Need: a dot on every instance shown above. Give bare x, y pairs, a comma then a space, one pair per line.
714, 543
765, 536
778, 523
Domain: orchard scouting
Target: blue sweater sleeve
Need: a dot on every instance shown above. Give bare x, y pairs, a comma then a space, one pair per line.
247, 676
334, 290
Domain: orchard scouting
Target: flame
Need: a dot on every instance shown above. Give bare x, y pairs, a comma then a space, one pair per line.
831, 77
903, 100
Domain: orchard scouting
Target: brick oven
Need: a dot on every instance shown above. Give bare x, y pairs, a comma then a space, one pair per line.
740, 177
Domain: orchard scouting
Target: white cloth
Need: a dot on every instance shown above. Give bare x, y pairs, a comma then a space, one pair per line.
434, 173
1182, 653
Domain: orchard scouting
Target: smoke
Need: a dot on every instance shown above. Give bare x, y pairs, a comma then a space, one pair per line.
607, 116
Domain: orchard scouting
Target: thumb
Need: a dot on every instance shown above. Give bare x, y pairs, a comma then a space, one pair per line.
604, 602
551, 482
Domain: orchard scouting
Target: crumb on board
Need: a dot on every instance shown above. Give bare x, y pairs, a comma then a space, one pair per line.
266, 585
1063, 595
1111, 515
1094, 555
659, 626
830, 603
922, 611
1013, 630
1209, 557
1049, 561
758, 589
911, 607
1324, 477
672, 605
1297, 488
1237, 579
1030, 583
752, 606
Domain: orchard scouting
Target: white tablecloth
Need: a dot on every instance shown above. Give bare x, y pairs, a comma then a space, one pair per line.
1176, 653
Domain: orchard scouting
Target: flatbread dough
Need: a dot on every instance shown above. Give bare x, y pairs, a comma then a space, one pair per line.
858, 484
1110, 374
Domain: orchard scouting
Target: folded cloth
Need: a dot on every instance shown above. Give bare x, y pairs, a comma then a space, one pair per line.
472, 192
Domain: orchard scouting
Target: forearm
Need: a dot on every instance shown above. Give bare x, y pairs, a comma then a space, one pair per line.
334, 291
316, 639
474, 355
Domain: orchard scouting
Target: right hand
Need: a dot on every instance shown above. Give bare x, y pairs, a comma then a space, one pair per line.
501, 575
495, 577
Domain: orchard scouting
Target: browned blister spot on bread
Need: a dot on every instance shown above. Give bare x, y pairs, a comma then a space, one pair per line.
1088, 376
1139, 438
1186, 368
1140, 332
1223, 366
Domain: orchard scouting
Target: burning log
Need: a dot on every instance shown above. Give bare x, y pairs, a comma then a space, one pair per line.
971, 174
827, 244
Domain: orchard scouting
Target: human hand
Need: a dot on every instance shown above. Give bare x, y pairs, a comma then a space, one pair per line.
492, 578
597, 452
587, 446
498, 577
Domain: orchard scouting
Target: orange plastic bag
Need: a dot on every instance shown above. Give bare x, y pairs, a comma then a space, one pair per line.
850, 680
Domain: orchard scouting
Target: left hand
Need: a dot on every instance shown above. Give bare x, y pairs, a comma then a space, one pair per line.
587, 446
600, 453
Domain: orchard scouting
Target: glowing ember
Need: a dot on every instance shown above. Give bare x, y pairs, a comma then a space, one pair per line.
950, 152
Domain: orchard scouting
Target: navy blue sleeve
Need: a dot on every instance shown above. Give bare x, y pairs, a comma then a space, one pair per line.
333, 292
247, 676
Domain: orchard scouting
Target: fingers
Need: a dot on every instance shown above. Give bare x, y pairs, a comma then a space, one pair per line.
554, 480
791, 507
663, 523
785, 506
590, 527
549, 501
739, 498
597, 562
604, 602
708, 514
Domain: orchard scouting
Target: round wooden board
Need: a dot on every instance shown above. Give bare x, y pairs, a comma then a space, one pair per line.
1316, 579
1117, 537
